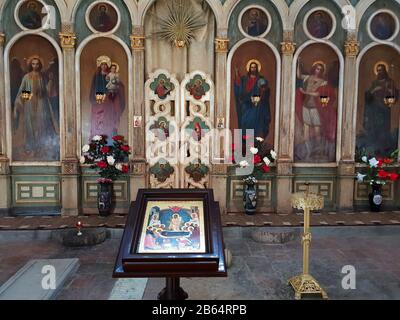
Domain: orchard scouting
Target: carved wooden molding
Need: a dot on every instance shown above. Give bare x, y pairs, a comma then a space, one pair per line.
70, 167
137, 42
67, 40
221, 45
138, 168
288, 47
219, 169
352, 48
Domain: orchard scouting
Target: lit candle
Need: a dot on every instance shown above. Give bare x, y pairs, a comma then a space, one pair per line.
79, 227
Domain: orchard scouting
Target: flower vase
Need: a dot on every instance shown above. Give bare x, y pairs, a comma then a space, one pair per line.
250, 198
375, 198
104, 199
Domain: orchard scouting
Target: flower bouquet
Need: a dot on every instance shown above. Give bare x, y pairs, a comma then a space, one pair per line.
111, 163
263, 157
379, 172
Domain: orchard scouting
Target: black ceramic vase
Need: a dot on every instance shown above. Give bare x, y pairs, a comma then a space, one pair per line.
104, 199
250, 198
375, 198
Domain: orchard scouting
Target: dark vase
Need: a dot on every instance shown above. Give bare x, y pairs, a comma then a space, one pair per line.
250, 198
375, 198
104, 199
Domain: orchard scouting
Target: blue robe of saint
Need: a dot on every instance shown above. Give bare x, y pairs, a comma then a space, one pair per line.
250, 115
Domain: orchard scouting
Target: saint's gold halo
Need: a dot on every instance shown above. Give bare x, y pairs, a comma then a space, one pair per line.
117, 66
321, 63
258, 63
102, 5
103, 59
32, 2
378, 63
29, 60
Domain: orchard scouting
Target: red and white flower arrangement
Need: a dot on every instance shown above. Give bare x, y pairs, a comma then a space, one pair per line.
111, 161
263, 157
379, 170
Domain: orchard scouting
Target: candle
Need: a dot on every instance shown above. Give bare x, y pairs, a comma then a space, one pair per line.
79, 226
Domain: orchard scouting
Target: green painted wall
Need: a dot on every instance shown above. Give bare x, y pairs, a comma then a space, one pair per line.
274, 35
10, 27
124, 31
338, 37
364, 37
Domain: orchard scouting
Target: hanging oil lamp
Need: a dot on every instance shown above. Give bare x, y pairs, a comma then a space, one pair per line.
100, 97
26, 95
389, 100
324, 100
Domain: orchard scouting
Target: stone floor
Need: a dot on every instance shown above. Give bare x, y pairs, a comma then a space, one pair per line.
259, 271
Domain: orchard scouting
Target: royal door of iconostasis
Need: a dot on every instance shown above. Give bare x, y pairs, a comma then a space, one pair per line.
179, 99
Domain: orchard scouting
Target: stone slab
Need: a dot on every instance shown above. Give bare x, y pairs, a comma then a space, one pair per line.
26, 284
128, 289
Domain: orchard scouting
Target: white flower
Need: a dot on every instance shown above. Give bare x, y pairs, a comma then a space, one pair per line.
365, 159
118, 166
373, 163
360, 177
259, 139
110, 160
83, 160
273, 154
254, 150
97, 138
86, 148
267, 161
243, 164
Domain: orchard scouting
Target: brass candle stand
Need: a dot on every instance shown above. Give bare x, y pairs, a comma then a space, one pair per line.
305, 283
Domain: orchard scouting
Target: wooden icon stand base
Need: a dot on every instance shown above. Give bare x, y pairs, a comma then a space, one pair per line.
172, 291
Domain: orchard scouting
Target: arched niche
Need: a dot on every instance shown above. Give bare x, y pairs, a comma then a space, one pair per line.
379, 6
318, 72
274, 29
161, 54
331, 10
377, 122
33, 67
242, 113
12, 25
103, 65
84, 11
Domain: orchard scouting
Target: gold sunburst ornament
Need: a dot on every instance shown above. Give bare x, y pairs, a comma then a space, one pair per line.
181, 24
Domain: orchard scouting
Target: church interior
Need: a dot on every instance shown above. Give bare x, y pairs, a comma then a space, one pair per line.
287, 110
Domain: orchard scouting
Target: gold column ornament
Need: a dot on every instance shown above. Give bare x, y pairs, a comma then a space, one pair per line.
2, 39
352, 48
67, 40
288, 47
137, 42
305, 283
221, 45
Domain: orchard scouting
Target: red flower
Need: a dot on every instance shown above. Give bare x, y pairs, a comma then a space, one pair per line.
393, 176
380, 162
245, 137
118, 138
383, 174
388, 161
266, 168
125, 168
257, 159
105, 149
102, 164
125, 148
